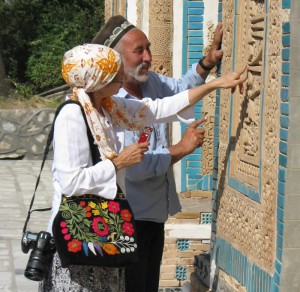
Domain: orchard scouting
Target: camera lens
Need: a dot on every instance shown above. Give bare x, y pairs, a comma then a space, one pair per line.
37, 266
33, 274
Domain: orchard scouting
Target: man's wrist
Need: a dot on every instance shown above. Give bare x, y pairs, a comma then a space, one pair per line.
204, 67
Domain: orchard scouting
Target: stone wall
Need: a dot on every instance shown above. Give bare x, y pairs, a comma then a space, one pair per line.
24, 132
251, 162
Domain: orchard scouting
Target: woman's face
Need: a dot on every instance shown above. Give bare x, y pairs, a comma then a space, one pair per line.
118, 81
114, 86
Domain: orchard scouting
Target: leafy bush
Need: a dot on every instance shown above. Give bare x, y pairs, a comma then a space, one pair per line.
35, 34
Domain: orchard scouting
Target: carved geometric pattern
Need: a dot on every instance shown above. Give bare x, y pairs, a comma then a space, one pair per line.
249, 130
161, 35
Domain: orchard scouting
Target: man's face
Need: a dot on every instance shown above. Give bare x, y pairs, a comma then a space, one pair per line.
135, 51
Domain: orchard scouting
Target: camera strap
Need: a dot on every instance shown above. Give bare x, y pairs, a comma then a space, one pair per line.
95, 157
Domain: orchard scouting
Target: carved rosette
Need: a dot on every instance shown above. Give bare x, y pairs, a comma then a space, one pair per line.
253, 125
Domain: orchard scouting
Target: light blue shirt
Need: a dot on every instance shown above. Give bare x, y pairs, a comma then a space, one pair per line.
150, 185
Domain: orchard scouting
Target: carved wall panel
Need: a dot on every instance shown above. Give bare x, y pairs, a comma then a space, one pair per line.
249, 130
207, 147
139, 8
161, 35
247, 109
108, 10
115, 8
208, 109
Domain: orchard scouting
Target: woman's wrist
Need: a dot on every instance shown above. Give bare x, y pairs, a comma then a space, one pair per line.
115, 163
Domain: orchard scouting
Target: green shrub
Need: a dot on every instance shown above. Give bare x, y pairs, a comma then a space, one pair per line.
35, 34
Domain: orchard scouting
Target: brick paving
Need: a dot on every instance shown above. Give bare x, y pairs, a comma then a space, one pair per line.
17, 182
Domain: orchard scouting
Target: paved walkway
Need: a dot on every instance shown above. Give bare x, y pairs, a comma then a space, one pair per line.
17, 182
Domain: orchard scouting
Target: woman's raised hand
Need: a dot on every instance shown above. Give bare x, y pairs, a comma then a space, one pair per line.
130, 155
233, 79
229, 80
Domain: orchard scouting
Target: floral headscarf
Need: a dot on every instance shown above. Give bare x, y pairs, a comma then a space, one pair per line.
90, 67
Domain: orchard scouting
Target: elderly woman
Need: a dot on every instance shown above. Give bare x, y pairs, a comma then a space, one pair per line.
95, 74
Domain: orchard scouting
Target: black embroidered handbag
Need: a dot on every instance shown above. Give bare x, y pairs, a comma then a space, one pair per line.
92, 230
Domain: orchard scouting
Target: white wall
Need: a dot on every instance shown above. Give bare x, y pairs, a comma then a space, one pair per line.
177, 72
131, 11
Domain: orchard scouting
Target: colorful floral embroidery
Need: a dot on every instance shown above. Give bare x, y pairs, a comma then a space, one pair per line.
128, 228
97, 226
113, 207
110, 248
126, 215
74, 245
100, 226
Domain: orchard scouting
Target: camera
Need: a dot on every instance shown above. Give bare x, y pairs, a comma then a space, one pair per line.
43, 248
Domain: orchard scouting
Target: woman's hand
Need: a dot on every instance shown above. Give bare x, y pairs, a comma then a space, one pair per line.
229, 80
131, 155
232, 80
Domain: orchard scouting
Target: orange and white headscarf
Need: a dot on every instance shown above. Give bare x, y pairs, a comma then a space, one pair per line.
87, 68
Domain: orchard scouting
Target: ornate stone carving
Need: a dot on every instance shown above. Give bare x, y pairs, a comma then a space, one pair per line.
250, 47
251, 121
161, 35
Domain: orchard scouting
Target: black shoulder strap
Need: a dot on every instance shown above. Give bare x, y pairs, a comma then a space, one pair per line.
94, 149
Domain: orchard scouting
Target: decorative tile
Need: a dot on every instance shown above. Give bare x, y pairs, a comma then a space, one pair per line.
181, 273
183, 244
205, 218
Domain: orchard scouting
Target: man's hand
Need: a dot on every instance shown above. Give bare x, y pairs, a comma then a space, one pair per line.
215, 53
192, 138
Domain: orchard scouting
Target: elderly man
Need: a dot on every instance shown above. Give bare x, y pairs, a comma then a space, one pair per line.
150, 185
